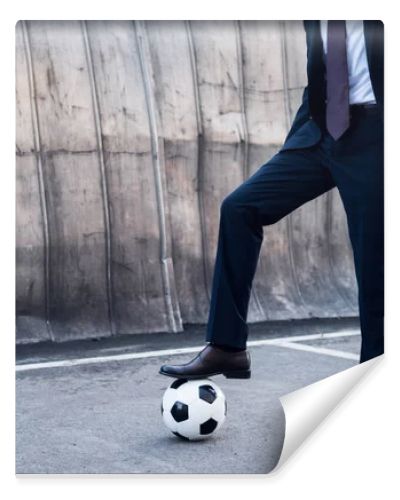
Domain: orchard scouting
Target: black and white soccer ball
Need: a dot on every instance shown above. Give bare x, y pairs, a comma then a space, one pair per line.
193, 409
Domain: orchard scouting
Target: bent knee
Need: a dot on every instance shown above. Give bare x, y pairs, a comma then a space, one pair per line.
238, 207
227, 204
232, 203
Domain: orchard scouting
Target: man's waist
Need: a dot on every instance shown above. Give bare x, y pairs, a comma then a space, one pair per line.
362, 108
357, 106
363, 105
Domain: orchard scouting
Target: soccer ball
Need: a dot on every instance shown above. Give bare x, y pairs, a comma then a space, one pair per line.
193, 409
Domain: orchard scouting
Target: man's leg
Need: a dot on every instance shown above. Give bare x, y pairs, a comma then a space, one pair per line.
357, 167
287, 181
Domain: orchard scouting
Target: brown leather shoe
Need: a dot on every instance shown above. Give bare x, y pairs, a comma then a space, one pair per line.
212, 361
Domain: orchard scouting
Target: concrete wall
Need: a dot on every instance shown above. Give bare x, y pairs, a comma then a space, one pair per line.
129, 135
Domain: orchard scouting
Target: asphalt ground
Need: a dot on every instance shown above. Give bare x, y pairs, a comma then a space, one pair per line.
96, 408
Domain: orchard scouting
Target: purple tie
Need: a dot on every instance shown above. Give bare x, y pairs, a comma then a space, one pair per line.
337, 80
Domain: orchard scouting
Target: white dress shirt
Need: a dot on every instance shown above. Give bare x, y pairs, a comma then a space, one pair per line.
360, 86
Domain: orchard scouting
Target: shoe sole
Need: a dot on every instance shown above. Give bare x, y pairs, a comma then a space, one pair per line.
237, 374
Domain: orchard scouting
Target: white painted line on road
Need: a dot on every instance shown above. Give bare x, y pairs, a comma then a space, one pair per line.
106, 359
282, 341
299, 338
319, 350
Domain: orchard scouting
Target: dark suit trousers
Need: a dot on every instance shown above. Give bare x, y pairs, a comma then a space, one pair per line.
292, 177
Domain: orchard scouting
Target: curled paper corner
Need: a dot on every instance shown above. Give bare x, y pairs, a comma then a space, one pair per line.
306, 408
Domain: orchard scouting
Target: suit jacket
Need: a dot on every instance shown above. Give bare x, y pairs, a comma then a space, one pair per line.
310, 117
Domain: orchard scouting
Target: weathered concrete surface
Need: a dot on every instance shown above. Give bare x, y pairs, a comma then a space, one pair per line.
105, 418
129, 135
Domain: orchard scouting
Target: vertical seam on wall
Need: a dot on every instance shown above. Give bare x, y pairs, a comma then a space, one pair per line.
39, 168
200, 163
245, 139
155, 155
104, 187
286, 99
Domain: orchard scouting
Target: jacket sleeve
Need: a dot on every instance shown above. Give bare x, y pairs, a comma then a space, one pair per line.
302, 115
